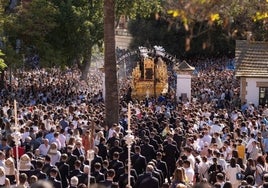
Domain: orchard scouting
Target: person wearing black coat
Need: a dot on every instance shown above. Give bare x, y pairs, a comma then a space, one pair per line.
138, 161
147, 179
162, 165
116, 164
97, 158
38, 171
97, 174
115, 148
123, 179
103, 149
78, 151
147, 150
52, 179
76, 171
171, 155
83, 178
64, 170
71, 157
109, 182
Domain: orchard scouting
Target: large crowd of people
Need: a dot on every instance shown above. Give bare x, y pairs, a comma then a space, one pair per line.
210, 140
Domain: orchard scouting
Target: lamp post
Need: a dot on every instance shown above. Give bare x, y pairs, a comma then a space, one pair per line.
129, 140
90, 152
90, 157
16, 136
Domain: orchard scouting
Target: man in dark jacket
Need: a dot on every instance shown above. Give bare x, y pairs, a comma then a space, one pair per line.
147, 179
64, 170
97, 174
38, 171
138, 161
147, 150
53, 174
171, 155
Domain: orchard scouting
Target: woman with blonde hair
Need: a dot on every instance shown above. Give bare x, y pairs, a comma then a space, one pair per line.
10, 171
54, 153
179, 177
4, 182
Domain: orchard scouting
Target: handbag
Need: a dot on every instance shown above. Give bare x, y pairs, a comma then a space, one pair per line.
240, 176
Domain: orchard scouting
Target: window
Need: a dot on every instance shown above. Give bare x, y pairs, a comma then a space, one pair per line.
263, 97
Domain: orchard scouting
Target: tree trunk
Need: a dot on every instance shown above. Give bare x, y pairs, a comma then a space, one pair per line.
111, 91
2, 80
84, 67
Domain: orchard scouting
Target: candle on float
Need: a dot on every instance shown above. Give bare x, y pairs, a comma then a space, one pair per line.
15, 113
128, 117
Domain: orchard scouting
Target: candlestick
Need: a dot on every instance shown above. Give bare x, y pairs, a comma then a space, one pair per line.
15, 113
128, 117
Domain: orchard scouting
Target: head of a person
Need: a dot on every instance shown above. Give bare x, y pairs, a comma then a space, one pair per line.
227, 185
53, 172
25, 162
42, 184
233, 162
77, 164
2, 155
74, 181
220, 177
179, 174
23, 178
78, 144
110, 173
186, 164
260, 160
33, 179
250, 180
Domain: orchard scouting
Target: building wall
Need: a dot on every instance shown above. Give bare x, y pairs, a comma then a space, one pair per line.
252, 89
122, 38
183, 86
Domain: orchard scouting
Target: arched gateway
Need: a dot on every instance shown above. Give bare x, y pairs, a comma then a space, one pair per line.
152, 72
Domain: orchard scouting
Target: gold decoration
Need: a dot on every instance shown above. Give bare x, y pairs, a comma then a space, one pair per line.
144, 86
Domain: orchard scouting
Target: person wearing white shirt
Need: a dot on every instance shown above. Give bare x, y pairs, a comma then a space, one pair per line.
249, 145
207, 137
43, 148
62, 139
56, 140
54, 153
216, 127
2, 159
203, 168
232, 170
190, 157
189, 172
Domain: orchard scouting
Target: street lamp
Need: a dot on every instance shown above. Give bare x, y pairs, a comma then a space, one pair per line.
129, 140
16, 136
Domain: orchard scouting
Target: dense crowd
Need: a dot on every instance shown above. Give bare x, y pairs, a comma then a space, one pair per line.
211, 140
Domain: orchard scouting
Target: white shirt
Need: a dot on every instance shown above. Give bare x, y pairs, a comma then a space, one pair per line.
207, 138
55, 158
215, 128
43, 149
192, 160
62, 139
189, 172
249, 145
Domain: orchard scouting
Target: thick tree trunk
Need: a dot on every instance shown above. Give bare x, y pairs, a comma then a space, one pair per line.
111, 91
84, 67
2, 80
